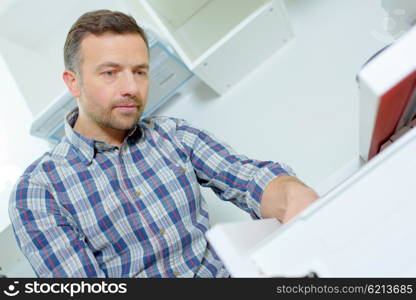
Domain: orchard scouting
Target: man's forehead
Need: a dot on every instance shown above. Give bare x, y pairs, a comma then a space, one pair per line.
109, 37
112, 48
113, 64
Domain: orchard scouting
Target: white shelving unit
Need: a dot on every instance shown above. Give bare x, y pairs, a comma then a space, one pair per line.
220, 41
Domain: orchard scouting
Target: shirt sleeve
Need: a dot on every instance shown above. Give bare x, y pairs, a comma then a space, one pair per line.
233, 177
49, 241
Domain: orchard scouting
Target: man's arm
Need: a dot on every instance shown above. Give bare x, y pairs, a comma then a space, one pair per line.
284, 197
243, 181
48, 240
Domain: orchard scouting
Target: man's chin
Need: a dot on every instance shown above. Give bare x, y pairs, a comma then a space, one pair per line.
125, 125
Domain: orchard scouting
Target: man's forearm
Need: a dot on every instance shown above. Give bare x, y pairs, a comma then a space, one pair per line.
285, 197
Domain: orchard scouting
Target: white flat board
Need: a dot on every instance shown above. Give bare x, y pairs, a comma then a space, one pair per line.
232, 243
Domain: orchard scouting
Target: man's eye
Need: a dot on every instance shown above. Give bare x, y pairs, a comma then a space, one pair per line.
109, 73
142, 73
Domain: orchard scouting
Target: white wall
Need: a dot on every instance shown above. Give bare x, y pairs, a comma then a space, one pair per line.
17, 148
300, 107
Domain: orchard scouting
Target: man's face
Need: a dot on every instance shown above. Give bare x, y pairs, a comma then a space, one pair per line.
113, 85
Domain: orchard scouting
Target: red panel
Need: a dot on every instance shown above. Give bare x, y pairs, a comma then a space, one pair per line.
391, 107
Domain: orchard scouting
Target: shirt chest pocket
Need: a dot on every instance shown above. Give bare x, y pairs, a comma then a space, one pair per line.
176, 175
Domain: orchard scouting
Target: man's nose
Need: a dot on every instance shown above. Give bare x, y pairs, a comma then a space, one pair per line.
129, 85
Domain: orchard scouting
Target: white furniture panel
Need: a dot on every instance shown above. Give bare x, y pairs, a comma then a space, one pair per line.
221, 41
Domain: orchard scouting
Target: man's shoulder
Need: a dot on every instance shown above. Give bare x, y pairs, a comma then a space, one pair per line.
167, 124
53, 158
161, 121
163, 125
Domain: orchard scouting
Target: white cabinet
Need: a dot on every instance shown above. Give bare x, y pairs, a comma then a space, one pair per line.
221, 41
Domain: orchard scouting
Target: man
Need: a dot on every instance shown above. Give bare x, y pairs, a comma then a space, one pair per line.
120, 198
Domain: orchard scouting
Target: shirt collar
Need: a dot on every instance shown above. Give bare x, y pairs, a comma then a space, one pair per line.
88, 147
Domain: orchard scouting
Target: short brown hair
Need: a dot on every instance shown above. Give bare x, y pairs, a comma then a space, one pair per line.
97, 22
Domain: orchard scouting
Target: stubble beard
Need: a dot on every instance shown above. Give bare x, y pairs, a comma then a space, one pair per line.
104, 117
117, 121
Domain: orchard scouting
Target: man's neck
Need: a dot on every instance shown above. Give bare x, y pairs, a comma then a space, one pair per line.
94, 131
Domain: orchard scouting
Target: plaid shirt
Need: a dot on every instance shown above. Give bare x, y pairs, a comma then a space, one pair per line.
89, 209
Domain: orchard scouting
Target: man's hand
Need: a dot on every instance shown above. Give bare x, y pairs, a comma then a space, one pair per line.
285, 197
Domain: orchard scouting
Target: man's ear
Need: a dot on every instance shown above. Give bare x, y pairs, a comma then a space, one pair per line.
72, 82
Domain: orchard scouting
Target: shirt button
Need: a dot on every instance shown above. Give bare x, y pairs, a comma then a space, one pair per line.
162, 231
138, 193
176, 273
